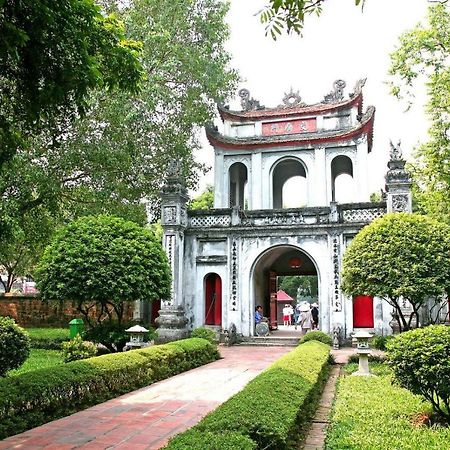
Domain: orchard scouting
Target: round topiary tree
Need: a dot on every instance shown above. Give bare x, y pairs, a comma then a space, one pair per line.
420, 361
399, 256
14, 345
102, 262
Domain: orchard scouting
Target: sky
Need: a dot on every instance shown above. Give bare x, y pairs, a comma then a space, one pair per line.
343, 43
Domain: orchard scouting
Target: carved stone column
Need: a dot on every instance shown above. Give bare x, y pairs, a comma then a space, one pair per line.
398, 183
172, 320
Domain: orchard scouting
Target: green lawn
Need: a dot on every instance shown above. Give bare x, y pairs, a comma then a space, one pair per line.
371, 413
38, 359
48, 338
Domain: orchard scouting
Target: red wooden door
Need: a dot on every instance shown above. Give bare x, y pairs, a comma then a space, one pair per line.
213, 300
363, 311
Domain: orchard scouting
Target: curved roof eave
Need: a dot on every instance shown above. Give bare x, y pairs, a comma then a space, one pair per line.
365, 126
281, 112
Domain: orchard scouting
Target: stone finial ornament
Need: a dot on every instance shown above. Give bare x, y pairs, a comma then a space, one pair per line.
292, 99
337, 94
358, 87
248, 103
395, 153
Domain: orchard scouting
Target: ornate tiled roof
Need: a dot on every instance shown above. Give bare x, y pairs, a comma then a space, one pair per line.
364, 126
293, 106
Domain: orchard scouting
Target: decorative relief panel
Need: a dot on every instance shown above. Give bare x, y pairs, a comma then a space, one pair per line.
210, 221
169, 245
234, 276
170, 215
362, 215
337, 303
400, 203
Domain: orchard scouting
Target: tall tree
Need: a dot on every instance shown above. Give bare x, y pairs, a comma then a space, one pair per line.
423, 56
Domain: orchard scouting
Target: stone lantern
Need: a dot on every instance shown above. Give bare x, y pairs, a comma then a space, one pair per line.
137, 334
363, 350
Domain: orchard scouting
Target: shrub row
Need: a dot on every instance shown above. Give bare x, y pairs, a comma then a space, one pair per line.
36, 397
48, 338
272, 409
371, 413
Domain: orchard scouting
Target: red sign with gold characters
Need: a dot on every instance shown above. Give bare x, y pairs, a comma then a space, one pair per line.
289, 127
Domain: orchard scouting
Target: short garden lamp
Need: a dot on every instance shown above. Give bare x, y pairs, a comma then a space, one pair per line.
363, 350
137, 334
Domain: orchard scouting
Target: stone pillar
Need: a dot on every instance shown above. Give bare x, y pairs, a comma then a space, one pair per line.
172, 320
221, 191
256, 182
398, 183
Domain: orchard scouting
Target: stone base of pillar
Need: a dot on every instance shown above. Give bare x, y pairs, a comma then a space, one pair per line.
171, 324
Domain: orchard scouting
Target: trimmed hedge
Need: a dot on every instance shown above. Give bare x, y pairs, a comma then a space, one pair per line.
371, 413
316, 336
198, 440
274, 407
48, 338
37, 397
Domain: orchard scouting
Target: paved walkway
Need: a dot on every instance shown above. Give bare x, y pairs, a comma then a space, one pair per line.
147, 418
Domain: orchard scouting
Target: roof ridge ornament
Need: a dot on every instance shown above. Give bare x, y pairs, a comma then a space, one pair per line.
337, 94
358, 87
396, 152
248, 103
292, 99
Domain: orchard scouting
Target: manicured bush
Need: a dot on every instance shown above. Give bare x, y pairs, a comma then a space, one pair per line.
77, 349
33, 398
420, 360
379, 342
273, 408
205, 333
372, 358
48, 338
370, 413
316, 336
196, 440
14, 345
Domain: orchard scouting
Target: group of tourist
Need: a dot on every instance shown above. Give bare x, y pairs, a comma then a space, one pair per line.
304, 315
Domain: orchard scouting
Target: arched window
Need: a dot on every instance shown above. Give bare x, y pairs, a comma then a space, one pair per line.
342, 185
237, 188
289, 184
213, 299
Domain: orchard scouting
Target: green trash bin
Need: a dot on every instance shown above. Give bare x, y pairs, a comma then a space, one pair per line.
76, 326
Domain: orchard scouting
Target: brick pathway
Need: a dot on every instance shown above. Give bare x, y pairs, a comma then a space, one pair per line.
147, 418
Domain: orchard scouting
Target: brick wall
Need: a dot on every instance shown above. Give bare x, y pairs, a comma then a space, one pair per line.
30, 310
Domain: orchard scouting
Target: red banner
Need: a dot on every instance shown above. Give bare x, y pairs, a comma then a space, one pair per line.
289, 127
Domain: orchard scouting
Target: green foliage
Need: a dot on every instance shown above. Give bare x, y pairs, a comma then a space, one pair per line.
14, 345
420, 361
371, 357
371, 413
274, 407
291, 283
33, 398
48, 338
316, 336
205, 333
422, 58
204, 200
399, 255
104, 261
77, 349
379, 342
39, 359
197, 440
289, 15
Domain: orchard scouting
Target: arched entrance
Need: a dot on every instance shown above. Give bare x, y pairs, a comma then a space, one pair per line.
275, 263
213, 299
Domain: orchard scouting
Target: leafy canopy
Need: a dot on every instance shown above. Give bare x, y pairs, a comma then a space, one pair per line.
105, 260
205, 200
399, 255
423, 57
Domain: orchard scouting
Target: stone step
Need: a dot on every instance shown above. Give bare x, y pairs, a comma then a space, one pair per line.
270, 341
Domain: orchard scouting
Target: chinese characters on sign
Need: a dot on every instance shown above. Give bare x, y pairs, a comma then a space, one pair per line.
289, 127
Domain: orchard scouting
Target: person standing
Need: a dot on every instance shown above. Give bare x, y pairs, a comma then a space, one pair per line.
305, 319
286, 316
315, 316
